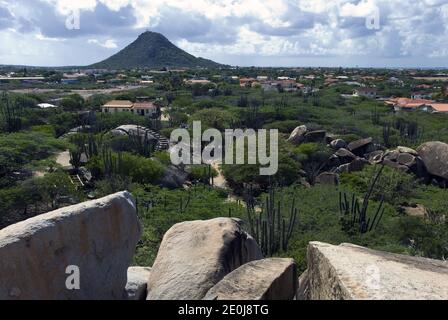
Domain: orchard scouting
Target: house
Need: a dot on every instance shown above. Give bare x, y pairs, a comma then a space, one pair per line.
247, 82
407, 104
141, 107
435, 108
420, 95
366, 92
262, 78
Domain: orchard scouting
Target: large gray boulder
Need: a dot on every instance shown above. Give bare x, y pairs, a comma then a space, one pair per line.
328, 178
349, 272
136, 288
298, 135
315, 136
40, 256
338, 144
173, 178
344, 156
196, 255
435, 157
269, 279
361, 147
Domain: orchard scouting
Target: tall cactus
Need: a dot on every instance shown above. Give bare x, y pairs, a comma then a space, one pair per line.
272, 228
354, 215
10, 112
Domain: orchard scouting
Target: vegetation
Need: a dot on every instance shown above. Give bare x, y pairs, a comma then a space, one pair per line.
283, 212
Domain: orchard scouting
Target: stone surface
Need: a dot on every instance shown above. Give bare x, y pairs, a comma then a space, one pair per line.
391, 155
360, 147
376, 157
407, 159
328, 178
407, 150
351, 272
136, 288
396, 165
358, 165
338, 144
315, 136
173, 178
344, 156
297, 136
196, 255
435, 157
99, 237
268, 279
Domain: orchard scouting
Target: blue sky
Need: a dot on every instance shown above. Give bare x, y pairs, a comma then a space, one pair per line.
378, 33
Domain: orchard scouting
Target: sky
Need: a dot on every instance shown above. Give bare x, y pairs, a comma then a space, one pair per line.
277, 33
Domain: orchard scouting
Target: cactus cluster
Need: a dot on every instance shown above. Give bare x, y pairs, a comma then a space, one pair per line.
354, 214
272, 228
10, 112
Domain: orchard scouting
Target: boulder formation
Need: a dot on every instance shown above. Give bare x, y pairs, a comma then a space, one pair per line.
435, 157
95, 240
328, 178
268, 279
349, 272
136, 288
195, 256
298, 135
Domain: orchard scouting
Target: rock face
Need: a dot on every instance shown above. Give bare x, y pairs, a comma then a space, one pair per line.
435, 158
298, 135
328, 178
194, 256
360, 147
344, 156
351, 272
173, 178
269, 279
315, 136
136, 288
98, 237
338, 144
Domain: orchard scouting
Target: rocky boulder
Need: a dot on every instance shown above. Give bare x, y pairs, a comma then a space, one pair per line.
173, 178
407, 150
328, 178
407, 159
358, 165
315, 136
194, 256
360, 147
338, 144
95, 240
298, 135
136, 288
349, 272
269, 279
375, 157
435, 157
344, 156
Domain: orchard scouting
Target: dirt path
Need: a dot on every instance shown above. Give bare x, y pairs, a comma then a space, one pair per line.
220, 181
63, 159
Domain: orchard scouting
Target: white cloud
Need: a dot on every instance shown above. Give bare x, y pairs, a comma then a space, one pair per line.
108, 44
264, 28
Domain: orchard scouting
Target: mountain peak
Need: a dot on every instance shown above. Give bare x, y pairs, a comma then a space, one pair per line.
153, 50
